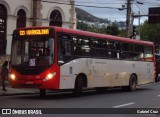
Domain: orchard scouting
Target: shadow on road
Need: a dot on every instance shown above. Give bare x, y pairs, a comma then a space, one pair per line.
88, 93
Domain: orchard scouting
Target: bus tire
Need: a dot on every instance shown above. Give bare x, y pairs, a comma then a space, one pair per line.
42, 92
78, 87
157, 79
132, 83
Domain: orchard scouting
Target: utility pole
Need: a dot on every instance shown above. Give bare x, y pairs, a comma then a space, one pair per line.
131, 27
128, 18
139, 24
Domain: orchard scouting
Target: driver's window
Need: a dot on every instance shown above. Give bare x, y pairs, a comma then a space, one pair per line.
64, 49
51, 50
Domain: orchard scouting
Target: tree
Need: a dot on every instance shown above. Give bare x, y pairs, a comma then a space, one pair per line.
111, 30
150, 32
82, 26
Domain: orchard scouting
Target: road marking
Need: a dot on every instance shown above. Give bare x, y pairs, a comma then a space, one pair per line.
123, 105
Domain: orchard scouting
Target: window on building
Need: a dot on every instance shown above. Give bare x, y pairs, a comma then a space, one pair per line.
21, 18
3, 31
56, 18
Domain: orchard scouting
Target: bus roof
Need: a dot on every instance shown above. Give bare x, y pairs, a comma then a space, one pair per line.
97, 35
108, 37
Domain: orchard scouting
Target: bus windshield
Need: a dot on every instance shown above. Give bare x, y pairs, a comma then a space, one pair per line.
29, 51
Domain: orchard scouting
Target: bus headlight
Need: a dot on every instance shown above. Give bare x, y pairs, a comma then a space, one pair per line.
49, 76
12, 76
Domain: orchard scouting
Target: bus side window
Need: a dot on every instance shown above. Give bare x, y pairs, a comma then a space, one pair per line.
126, 51
85, 46
77, 50
148, 54
113, 49
138, 53
81, 46
98, 47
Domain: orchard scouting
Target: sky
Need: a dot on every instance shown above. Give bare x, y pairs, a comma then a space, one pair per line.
111, 11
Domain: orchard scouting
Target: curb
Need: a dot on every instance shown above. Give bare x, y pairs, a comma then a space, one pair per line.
6, 94
11, 92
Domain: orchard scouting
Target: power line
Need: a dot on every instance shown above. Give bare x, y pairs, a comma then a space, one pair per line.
141, 9
98, 7
58, 2
144, 2
93, 6
100, 3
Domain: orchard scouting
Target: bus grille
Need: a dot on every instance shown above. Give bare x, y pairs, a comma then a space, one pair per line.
31, 85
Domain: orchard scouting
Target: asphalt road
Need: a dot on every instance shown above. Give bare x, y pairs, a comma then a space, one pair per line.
146, 96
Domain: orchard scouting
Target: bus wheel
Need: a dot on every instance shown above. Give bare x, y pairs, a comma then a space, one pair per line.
42, 92
157, 79
132, 83
78, 87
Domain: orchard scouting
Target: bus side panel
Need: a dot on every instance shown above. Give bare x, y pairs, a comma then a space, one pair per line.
72, 69
105, 72
66, 75
146, 72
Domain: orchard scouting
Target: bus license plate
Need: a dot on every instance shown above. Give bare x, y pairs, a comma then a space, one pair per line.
29, 82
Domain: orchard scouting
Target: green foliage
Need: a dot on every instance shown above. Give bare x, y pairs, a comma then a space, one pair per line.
111, 30
122, 33
150, 32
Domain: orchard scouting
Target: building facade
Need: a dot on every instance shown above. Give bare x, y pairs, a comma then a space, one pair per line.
25, 13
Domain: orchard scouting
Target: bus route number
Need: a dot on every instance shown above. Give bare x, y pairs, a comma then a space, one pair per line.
22, 32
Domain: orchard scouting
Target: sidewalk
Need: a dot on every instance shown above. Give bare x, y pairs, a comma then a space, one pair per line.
14, 91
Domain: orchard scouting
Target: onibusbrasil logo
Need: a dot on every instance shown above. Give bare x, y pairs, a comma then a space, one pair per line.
21, 111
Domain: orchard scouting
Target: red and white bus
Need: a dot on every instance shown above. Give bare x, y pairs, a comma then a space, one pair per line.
55, 58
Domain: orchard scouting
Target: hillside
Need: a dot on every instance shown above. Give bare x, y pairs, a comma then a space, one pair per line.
85, 16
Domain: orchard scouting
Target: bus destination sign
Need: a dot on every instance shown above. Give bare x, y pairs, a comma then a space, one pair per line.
31, 32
